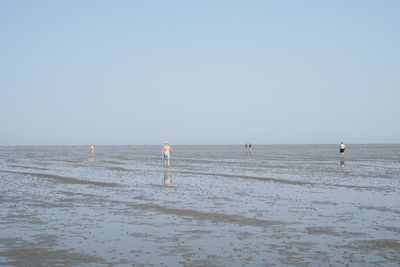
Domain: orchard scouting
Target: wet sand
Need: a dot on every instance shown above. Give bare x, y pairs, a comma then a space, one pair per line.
278, 206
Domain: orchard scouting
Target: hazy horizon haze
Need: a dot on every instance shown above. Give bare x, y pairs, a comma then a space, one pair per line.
130, 72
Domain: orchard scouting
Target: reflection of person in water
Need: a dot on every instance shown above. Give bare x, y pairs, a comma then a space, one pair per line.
167, 178
342, 163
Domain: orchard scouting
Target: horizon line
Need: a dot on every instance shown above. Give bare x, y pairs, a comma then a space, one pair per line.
187, 144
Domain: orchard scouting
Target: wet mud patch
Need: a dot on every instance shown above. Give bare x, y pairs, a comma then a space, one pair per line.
78, 199
242, 194
80, 194
387, 250
393, 229
199, 231
28, 167
324, 203
344, 217
244, 235
141, 235
46, 240
33, 256
331, 231
321, 231
65, 179
21, 252
292, 253
211, 262
380, 209
12, 242
375, 245
16, 217
118, 169
287, 181
210, 216
111, 162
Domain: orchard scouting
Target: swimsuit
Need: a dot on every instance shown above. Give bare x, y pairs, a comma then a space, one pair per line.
167, 155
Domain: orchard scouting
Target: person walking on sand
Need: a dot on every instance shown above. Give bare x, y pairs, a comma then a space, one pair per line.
166, 154
91, 149
342, 148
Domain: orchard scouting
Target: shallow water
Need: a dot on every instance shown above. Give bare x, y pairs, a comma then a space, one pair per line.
278, 205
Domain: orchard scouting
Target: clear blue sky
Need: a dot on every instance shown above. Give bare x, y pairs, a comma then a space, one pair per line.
199, 72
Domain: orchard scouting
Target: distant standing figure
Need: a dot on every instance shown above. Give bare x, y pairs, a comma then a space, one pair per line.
166, 154
342, 148
91, 149
245, 146
249, 146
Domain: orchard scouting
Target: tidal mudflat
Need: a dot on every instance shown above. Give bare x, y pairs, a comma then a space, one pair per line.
278, 205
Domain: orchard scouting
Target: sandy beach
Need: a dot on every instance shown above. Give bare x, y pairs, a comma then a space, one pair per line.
276, 206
